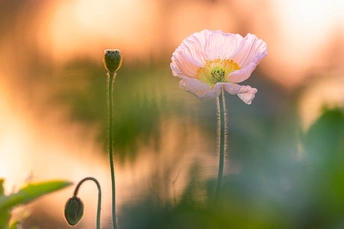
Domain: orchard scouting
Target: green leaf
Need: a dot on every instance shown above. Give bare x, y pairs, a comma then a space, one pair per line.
326, 134
2, 189
31, 192
14, 225
5, 217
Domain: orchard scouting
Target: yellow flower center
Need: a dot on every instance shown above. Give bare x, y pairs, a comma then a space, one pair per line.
216, 71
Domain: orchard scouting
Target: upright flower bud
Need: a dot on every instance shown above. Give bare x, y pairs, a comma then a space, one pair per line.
112, 59
74, 210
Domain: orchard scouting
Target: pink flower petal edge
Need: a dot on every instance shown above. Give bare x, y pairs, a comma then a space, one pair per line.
199, 47
204, 92
245, 93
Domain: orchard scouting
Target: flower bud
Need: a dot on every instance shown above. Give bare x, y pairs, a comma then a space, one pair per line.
74, 210
112, 59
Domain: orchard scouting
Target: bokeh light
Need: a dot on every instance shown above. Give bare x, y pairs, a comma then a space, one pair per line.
53, 108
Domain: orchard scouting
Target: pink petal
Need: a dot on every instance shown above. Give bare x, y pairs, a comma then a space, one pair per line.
199, 47
242, 74
251, 50
199, 89
220, 45
188, 57
182, 68
190, 51
245, 93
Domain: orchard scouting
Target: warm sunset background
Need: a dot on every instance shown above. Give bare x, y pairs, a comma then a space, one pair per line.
281, 170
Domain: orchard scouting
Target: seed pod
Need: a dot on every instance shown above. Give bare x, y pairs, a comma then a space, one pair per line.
112, 59
74, 210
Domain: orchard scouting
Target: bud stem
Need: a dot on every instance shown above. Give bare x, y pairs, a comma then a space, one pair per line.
111, 80
99, 195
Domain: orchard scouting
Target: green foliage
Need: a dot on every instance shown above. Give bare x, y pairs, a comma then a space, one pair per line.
285, 189
25, 195
324, 151
278, 180
326, 134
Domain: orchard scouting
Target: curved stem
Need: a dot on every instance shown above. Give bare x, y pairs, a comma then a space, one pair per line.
99, 196
222, 139
111, 80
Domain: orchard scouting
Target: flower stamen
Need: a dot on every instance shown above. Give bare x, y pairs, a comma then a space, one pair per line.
218, 74
216, 71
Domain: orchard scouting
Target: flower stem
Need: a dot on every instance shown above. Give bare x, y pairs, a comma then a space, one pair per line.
222, 139
99, 196
111, 80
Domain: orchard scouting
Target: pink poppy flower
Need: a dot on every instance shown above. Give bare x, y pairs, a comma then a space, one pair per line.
210, 60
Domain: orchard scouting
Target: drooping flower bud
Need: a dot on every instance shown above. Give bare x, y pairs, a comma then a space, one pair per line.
74, 210
112, 59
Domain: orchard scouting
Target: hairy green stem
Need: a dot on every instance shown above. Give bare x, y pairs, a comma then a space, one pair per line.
222, 139
111, 80
99, 196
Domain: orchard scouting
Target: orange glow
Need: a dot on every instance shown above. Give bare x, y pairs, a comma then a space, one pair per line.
325, 91
52, 148
305, 30
300, 35
82, 28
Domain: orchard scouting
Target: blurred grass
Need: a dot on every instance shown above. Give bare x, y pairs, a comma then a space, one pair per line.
281, 177
140, 100
295, 193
